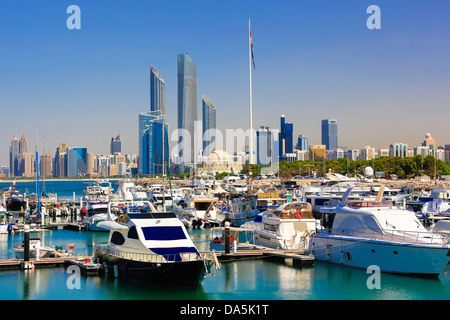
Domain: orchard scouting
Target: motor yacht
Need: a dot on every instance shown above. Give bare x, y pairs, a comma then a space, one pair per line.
370, 231
288, 227
153, 246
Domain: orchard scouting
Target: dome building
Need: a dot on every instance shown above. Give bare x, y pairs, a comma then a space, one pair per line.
219, 161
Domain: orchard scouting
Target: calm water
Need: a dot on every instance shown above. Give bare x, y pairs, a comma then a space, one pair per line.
244, 280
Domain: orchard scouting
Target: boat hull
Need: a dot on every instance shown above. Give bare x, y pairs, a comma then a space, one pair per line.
391, 257
187, 274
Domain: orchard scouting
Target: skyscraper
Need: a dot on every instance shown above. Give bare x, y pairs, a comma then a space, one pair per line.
329, 133
76, 162
264, 146
153, 132
285, 136
151, 147
13, 152
23, 144
187, 103
116, 145
157, 91
302, 142
60, 161
209, 122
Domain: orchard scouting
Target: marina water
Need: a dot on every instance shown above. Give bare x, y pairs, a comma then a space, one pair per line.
257, 279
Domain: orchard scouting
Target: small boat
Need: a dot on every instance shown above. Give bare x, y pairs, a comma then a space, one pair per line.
245, 239
288, 227
438, 205
198, 208
371, 231
152, 246
15, 200
35, 247
239, 210
96, 213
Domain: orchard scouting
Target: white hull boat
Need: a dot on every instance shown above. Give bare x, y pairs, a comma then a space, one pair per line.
376, 232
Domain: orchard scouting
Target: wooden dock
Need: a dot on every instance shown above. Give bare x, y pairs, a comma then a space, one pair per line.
298, 257
86, 265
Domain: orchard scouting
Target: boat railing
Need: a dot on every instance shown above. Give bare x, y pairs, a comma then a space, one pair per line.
152, 257
407, 236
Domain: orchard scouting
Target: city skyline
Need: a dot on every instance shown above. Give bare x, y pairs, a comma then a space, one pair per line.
80, 87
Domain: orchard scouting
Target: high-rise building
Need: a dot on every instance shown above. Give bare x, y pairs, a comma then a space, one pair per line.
45, 165
209, 123
187, 104
76, 162
13, 152
285, 136
264, 146
398, 150
430, 142
25, 164
23, 144
60, 161
330, 134
318, 152
302, 142
116, 145
151, 146
157, 91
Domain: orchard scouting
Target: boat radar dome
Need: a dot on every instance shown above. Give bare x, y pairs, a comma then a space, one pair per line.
368, 172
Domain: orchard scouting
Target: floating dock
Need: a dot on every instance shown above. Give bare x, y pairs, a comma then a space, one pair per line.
86, 265
298, 257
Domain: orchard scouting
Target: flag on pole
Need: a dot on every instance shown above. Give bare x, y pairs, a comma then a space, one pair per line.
251, 43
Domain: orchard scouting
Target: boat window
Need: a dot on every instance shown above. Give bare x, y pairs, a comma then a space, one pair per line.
132, 233
117, 238
163, 233
348, 256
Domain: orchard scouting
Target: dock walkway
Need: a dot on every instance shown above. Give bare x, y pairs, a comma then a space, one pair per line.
298, 257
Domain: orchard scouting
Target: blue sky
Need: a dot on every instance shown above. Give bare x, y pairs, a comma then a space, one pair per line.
314, 60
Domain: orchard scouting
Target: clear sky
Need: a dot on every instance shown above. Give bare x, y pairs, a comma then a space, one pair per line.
314, 60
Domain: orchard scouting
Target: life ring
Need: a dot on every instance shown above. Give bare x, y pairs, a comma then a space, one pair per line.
301, 214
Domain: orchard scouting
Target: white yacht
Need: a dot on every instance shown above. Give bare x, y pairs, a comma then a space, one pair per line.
198, 208
96, 212
439, 204
288, 227
153, 246
371, 231
100, 190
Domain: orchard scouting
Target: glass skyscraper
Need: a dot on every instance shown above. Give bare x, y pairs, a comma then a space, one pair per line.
286, 136
302, 142
329, 133
187, 102
209, 122
151, 151
76, 162
157, 91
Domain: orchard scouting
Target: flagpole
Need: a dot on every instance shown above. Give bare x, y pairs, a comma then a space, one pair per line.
250, 155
